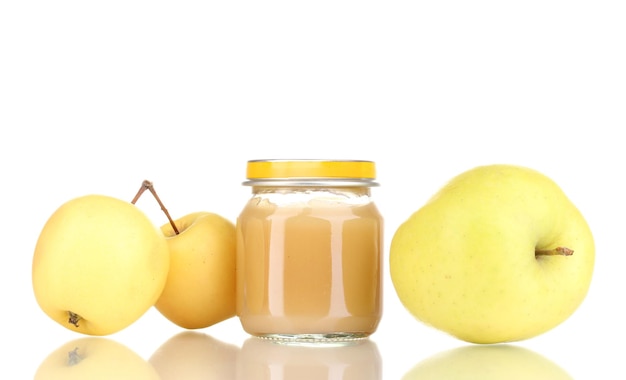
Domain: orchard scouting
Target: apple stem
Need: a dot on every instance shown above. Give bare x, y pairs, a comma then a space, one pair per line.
74, 318
73, 358
147, 185
558, 251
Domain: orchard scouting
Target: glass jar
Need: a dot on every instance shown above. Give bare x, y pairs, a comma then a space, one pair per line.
309, 251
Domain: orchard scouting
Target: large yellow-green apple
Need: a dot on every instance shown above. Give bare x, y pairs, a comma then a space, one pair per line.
94, 358
499, 254
192, 355
487, 362
200, 287
99, 264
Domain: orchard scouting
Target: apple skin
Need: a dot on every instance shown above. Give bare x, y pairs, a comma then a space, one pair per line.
101, 258
487, 362
94, 358
465, 263
200, 287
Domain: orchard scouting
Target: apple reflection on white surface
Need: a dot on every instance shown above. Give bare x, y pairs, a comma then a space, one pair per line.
94, 358
486, 362
193, 355
267, 360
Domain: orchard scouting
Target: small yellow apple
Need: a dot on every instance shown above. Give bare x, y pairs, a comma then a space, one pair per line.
200, 287
492, 362
498, 254
94, 358
192, 355
99, 264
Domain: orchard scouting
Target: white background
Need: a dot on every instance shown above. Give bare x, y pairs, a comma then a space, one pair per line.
97, 96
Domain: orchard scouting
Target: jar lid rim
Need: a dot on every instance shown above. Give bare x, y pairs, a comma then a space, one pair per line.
277, 169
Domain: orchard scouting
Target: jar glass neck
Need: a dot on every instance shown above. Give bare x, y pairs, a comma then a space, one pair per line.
298, 189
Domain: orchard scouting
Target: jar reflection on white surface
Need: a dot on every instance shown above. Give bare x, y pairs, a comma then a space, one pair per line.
262, 359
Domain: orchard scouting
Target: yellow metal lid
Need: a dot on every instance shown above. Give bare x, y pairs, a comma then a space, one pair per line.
350, 171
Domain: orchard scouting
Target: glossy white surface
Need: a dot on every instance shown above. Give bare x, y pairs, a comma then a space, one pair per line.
96, 97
